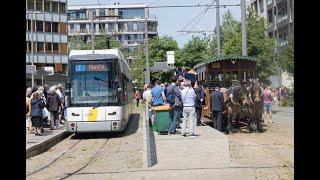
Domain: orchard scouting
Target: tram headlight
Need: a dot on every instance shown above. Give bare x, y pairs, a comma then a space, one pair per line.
114, 123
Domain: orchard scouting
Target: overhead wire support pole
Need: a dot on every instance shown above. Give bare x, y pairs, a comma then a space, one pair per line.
218, 27
244, 28
92, 30
147, 75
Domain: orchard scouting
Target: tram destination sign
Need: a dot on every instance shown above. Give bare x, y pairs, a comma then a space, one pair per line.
91, 67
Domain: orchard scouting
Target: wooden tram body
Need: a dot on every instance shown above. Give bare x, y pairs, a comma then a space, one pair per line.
221, 71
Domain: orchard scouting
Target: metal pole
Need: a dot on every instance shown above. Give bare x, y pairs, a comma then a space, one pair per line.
32, 61
218, 27
92, 31
244, 28
42, 79
147, 75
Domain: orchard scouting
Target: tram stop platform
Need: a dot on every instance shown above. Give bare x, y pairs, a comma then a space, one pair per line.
38, 144
209, 149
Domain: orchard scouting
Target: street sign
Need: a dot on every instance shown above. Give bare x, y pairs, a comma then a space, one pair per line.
170, 57
30, 69
49, 70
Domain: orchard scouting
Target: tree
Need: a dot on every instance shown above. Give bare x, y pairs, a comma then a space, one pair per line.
286, 58
260, 45
194, 51
79, 43
230, 35
158, 47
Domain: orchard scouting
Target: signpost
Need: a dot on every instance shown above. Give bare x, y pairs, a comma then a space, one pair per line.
170, 57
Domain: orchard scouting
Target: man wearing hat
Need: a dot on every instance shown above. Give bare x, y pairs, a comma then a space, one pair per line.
218, 106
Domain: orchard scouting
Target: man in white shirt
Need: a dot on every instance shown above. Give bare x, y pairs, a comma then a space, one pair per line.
188, 97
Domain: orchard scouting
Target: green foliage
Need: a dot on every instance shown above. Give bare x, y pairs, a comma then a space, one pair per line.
138, 65
286, 58
230, 35
78, 43
194, 51
158, 47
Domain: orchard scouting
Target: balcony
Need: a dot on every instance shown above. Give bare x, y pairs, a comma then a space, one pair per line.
280, 44
282, 20
269, 2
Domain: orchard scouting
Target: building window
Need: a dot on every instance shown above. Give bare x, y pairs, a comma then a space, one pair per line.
47, 6
48, 48
82, 15
270, 17
83, 28
39, 5
55, 26
131, 13
63, 48
40, 47
28, 25
28, 46
30, 4
102, 12
112, 12
55, 48
63, 28
152, 26
261, 6
62, 7
54, 6
39, 25
47, 26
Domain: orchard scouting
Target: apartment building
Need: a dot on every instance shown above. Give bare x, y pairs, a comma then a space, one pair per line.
46, 32
280, 17
125, 22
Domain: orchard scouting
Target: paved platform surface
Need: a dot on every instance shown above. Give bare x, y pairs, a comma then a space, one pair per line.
210, 149
38, 144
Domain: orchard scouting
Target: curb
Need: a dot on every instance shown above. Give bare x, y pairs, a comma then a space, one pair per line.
146, 141
45, 145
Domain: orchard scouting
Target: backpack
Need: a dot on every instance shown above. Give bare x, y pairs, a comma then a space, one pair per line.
170, 97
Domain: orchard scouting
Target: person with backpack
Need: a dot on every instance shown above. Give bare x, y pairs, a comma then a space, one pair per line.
36, 113
137, 95
173, 98
53, 104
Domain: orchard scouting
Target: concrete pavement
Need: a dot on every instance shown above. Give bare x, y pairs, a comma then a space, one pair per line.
39, 144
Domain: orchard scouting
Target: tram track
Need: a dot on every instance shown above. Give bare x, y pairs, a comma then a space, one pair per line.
54, 160
95, 155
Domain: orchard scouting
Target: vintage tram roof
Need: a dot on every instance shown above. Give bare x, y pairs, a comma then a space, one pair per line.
225, 58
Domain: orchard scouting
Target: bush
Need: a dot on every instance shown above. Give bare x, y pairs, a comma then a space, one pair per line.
288, 103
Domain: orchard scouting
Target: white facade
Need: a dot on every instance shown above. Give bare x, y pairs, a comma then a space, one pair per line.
127, 25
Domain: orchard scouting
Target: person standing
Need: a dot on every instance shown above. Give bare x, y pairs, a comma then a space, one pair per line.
218, 106
28, 110
188, 98
59, 91
53, 104
137, 96
173, 97
147, 97
36, 113
198, 103
158, 95
267, 104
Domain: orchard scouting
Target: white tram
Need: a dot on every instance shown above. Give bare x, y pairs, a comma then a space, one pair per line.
99, 91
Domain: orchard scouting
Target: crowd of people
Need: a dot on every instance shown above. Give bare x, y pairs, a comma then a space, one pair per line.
185, 98
45, 107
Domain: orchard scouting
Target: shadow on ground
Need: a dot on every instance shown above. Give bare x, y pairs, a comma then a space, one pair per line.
131, 128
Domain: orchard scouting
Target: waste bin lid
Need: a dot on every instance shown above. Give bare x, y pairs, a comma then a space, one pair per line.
161, 108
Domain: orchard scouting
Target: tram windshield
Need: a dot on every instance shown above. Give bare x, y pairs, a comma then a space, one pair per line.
94, 83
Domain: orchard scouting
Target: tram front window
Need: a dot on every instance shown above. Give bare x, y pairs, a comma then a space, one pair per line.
93, 83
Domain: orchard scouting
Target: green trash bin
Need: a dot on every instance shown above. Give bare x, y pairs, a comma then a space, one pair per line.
163, 120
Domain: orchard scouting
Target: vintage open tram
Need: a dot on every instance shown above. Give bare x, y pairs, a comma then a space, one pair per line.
221, 71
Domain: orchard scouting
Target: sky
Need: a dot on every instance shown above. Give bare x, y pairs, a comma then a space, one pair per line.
171, 20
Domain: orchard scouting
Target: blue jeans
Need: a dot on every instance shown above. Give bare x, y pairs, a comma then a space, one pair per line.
175, 119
